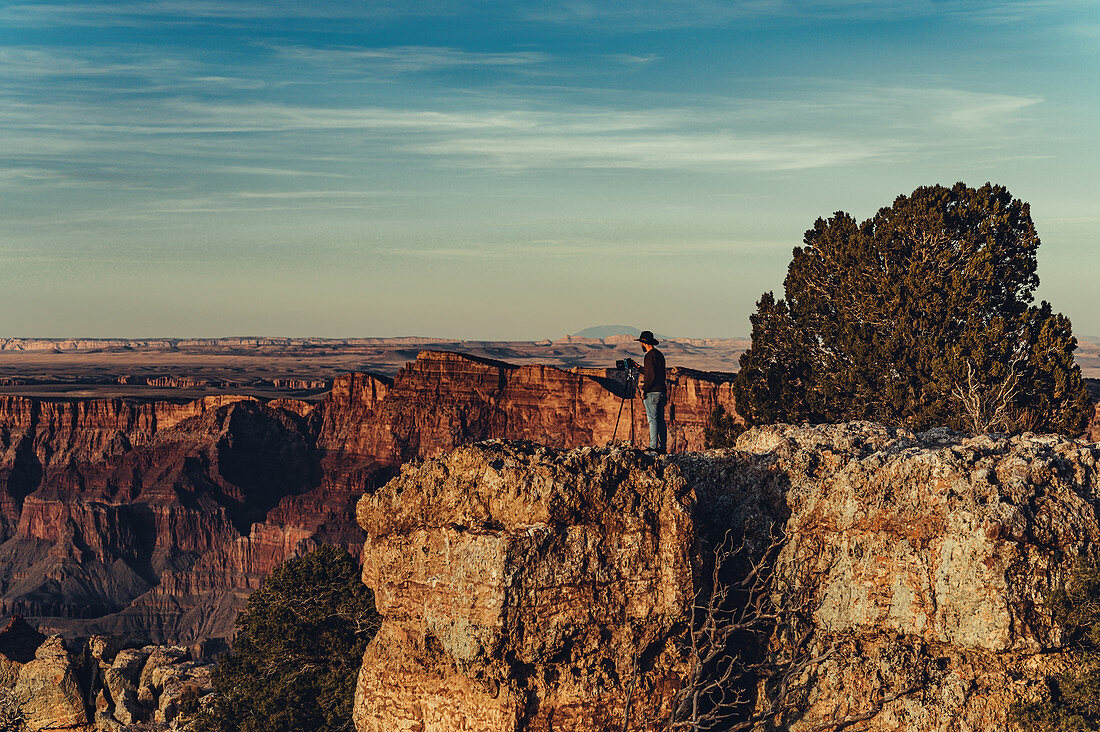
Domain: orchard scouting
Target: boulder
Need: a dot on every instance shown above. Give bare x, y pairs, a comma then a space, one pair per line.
125, 671
151, 681
104, 648
48, 692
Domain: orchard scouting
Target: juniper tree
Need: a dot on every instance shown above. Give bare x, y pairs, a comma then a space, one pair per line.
919, 316
297, 653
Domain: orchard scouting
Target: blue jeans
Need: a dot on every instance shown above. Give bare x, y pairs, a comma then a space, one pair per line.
654, 402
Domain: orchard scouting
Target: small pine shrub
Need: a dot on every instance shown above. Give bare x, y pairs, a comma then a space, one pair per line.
297, 653
722, 429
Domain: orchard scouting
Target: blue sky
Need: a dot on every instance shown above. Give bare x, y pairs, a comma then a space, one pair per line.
502, 170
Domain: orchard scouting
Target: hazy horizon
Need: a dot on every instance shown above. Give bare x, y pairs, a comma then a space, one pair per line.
499, 171
394, 336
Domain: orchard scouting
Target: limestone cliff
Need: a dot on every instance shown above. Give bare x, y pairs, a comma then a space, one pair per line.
930, 559
528, 588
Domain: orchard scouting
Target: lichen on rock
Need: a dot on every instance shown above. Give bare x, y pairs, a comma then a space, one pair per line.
932, 557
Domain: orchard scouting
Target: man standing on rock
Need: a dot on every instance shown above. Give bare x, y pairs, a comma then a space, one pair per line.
654, 392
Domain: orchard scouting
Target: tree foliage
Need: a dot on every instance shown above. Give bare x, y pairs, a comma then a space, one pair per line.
298, 649
721, 429
920, 316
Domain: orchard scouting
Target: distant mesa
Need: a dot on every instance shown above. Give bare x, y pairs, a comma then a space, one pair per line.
600, 332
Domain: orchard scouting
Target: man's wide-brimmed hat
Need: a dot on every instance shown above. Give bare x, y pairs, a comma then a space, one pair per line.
647, 338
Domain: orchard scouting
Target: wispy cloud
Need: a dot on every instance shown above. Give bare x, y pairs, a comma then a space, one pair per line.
130, 13
252, 170
1001, 12
23, 62
663, 151
43, 72
407, 59
650, 15
980, 111
609, 15
859, 125
629, 15
639, 15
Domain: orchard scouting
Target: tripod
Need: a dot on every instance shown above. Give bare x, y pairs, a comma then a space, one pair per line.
630, 386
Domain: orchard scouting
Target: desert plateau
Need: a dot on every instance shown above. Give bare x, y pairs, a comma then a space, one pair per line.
302, 368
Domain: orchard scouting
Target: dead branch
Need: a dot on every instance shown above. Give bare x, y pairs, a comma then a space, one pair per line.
733, 626
987, 407
753, 650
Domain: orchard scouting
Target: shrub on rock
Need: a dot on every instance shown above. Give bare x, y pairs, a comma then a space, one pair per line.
297, 653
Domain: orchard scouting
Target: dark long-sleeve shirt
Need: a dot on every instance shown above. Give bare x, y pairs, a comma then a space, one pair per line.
653, 371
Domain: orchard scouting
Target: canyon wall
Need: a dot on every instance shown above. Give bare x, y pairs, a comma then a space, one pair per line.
531, 589
155, 520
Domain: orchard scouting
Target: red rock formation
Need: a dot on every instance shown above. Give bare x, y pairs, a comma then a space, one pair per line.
1092, 432
445, 399
157, 519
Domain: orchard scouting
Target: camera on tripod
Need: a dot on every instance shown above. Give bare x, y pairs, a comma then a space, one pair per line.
627, 365
629, 370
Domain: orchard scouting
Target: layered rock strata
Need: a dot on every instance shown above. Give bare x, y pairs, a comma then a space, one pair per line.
922, 563
155, 520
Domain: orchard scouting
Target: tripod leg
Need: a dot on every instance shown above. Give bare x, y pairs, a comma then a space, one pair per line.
631, 419
616, 432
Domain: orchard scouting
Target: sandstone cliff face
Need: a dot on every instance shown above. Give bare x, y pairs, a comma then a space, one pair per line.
155, 519
133, 517
924, 563
524, 589
443, 400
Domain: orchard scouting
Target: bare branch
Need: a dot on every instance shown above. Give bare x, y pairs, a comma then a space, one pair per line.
752, 648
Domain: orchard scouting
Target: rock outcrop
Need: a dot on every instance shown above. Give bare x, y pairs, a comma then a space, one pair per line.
929, 561
47, 691
155, 519
525, 589
521, 584
96, 687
